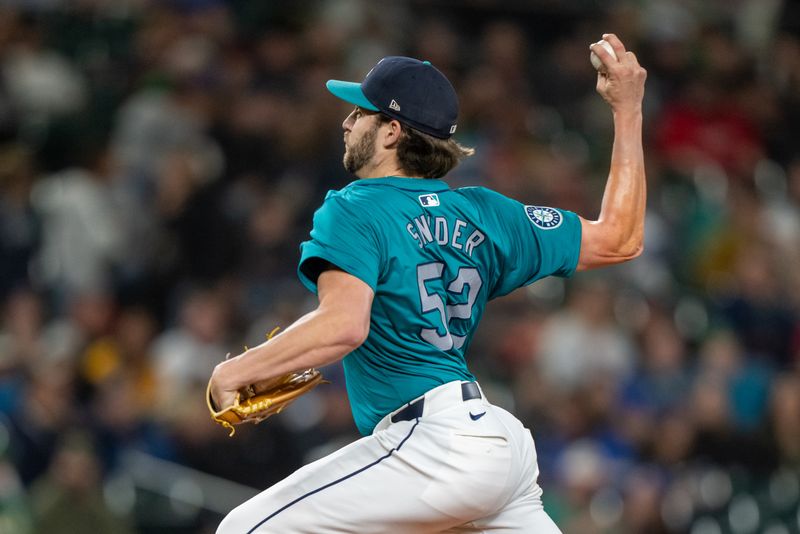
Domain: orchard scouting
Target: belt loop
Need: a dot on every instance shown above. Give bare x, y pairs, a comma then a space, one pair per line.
410, 412
470, 390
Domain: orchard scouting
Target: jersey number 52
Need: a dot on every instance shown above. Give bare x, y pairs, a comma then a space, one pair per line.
466, 276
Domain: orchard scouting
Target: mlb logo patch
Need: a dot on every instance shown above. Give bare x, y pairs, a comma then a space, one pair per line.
429, 200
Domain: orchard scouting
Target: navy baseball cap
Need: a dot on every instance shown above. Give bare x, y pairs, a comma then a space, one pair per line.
412, 91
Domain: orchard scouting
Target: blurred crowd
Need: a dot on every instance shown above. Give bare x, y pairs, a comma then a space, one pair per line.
159, 165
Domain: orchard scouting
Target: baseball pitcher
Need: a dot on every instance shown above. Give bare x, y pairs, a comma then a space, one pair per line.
403, 267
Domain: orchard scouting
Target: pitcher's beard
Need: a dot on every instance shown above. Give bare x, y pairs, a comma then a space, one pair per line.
358, 155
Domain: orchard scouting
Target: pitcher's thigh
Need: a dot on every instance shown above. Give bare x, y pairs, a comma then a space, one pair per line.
371, 486
289, 499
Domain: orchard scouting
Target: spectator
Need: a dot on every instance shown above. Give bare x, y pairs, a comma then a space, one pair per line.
582, 342
187, 353
69, 497
19, 225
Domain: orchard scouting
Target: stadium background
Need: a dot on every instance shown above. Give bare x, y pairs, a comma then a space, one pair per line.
159, 165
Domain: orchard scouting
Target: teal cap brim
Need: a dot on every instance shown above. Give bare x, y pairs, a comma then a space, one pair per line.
350, 92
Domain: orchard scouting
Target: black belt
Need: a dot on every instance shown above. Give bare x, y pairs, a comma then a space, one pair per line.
469, 391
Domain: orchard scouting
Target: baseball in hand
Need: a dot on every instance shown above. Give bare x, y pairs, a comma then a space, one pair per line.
596, 63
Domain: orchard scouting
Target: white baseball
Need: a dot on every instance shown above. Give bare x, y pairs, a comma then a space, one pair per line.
596, 63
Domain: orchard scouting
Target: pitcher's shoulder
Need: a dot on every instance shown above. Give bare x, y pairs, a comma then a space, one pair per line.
355, 204
479, 191
349, 195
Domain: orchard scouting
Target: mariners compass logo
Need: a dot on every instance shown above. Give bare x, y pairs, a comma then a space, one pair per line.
544, 217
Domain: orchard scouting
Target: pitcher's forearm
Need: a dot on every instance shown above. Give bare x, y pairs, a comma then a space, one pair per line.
624, 199
313, 340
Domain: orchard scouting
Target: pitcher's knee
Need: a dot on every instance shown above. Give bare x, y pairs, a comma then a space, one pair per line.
237, 522
258, 515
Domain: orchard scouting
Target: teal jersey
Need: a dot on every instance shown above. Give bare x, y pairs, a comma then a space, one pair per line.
433, 256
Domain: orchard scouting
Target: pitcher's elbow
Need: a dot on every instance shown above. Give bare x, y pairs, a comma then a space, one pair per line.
354, 334
633, 251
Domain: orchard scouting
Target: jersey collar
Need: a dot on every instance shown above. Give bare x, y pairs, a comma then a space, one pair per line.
413, 184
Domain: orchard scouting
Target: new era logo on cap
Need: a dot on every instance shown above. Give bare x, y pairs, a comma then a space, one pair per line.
394, 105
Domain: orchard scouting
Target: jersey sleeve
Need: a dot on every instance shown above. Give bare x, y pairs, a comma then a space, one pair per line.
343, 236
534, 242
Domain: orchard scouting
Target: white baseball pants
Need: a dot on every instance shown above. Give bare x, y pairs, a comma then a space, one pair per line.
463, 466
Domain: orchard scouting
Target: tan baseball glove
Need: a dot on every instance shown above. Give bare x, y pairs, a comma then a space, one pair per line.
259, 401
